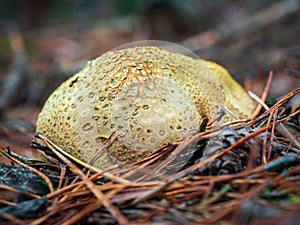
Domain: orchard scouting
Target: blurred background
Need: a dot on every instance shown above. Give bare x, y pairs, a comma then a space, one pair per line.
44, 42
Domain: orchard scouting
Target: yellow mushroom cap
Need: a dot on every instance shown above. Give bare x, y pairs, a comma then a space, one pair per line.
147, 95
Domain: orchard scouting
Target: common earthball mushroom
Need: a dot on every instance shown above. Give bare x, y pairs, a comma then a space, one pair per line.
147, 95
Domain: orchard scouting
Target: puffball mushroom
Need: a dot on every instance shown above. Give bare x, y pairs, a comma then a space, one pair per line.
147, 95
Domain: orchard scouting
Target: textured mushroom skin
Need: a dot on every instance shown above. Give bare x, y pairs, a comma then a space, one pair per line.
149, 96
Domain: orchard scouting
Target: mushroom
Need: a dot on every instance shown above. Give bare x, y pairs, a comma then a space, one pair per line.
147, 95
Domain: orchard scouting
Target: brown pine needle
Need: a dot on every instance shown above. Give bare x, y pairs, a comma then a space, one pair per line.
264, 95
